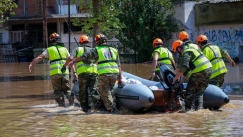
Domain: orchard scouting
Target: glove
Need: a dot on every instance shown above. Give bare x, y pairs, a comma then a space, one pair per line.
63, 69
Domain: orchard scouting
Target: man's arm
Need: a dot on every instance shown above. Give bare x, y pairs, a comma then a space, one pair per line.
119, 67
225, 54
87, 55
69, 59
35, 61
154, 64
182, 66
230, 60
178, 75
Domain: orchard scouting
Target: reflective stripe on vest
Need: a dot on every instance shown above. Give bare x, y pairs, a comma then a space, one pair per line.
56, 62
212, 52
200, 61
107, 59
164, 56
55, 67
82, 67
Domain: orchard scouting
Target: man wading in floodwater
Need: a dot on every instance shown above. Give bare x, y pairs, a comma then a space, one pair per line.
57, 54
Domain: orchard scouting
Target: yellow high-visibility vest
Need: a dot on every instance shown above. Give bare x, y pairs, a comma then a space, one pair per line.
107, 62
57, 56
82, 67
212, 52
200, 62
164, 56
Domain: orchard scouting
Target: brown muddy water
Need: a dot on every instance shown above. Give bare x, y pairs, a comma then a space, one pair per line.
27, 109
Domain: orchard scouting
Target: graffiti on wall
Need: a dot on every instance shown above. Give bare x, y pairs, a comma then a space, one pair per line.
229, 40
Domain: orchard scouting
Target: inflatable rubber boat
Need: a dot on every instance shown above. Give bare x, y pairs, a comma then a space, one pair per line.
139, 94
133, 96
167, 97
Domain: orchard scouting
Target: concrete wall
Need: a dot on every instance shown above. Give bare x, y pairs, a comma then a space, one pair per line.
228, 37
185, 16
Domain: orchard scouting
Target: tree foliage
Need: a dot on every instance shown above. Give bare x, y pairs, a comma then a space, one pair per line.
6, 6
103, 13
136, 23
145, 20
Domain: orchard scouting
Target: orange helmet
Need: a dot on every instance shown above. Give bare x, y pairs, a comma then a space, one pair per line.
201, 38
83, 38
54, 37
100, 38
156, 42
183, 35
176, 44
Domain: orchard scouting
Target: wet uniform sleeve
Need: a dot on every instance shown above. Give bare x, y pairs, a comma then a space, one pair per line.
74, 52
183, 63
90, 54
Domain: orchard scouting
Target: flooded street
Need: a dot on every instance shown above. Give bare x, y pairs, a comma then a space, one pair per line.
28, 109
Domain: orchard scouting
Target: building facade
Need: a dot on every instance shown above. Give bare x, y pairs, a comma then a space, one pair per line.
219, 20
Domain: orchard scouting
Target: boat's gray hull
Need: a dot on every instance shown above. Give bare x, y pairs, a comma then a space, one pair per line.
213, 97
135, 97
138, 97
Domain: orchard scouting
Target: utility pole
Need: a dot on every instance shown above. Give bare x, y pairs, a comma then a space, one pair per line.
69, 27
96, 27
45, 41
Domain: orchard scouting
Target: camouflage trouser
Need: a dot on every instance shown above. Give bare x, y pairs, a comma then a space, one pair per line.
106, 84
157, 72
60, 84
197, 83
218, 80
88, 82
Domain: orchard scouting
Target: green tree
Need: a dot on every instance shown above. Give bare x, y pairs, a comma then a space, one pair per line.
103, 17
6, 6
136, 23
145, 20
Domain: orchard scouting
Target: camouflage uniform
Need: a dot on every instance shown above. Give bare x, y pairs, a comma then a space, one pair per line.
88, 82
218, 80
60, 85
197, 82
60, 82
106, 82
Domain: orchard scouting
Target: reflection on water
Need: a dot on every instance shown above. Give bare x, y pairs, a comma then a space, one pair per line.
28, 109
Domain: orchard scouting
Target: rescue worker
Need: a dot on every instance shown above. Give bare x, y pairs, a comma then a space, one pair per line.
109, 70
183, 36
57, 54
161, 55
87, 76
187, 43
215, 55
199, 70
